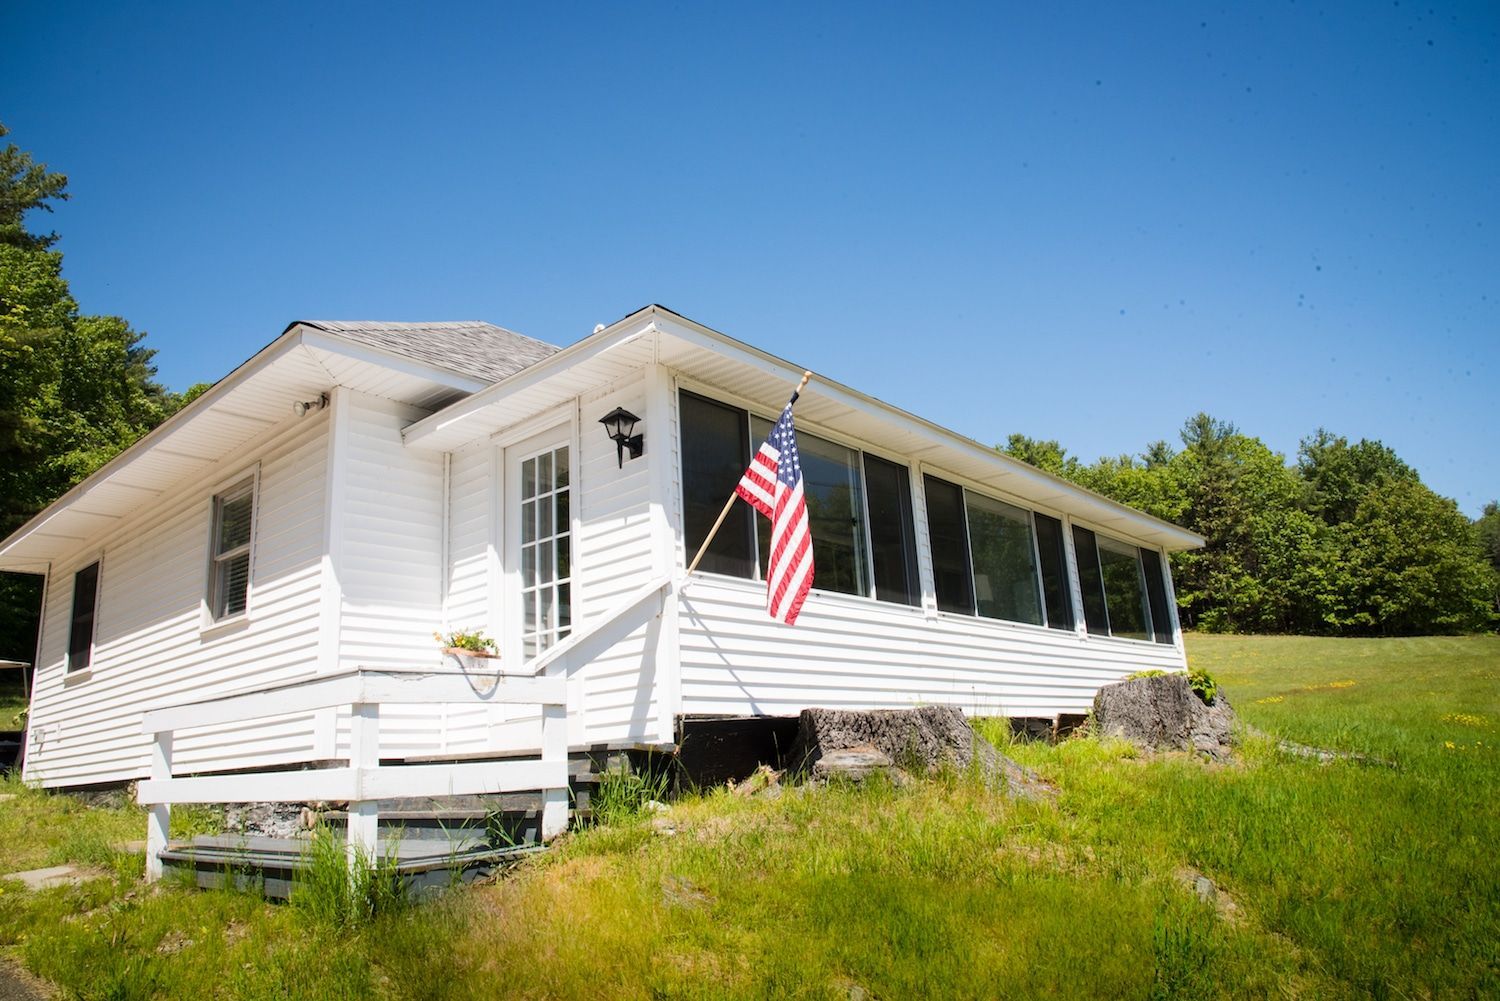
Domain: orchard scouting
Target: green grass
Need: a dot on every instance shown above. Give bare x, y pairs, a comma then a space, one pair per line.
13, 699
1342, 880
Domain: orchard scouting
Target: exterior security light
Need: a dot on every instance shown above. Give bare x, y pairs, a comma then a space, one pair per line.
618, 424
302, 408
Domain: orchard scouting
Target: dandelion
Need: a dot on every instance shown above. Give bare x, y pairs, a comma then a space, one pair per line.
1449, 745
1270, 700
1466, 719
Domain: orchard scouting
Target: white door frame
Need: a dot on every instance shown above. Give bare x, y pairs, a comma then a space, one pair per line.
558, 435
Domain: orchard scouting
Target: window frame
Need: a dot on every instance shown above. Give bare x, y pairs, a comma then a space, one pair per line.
967, 486
752, 411
230, 489
77, 672
1169, 590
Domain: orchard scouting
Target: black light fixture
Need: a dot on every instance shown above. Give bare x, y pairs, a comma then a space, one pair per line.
618, 424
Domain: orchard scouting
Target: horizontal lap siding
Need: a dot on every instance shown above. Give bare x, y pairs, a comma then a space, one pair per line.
468, 729
389, 564
149, 650
614, 560
855, 654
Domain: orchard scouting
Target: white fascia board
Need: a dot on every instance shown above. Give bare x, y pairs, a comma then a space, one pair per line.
674, 325
451, 418
262, 359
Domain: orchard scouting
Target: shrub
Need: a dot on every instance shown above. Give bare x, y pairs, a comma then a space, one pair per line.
1202, 683
1150, 672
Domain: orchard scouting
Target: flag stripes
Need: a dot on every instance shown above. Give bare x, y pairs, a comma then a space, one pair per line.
773, 486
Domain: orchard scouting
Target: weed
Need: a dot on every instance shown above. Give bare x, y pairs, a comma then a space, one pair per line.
339, 889
623, 792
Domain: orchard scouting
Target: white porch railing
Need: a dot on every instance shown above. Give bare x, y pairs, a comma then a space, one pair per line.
364, 780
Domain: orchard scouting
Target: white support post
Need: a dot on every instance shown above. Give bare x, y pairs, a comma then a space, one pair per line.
159, 815
555, 750
364, 755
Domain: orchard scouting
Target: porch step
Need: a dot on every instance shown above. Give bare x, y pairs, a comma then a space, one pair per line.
271, 864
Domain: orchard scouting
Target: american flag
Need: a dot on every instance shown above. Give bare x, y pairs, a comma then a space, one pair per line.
773, 485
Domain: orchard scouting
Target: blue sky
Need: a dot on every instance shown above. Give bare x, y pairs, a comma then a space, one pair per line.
1078, 222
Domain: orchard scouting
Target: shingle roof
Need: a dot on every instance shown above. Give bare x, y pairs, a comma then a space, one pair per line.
469, 347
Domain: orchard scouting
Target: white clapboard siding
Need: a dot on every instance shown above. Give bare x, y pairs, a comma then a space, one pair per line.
616, 692
390, 565
472, 556
614, 560
150, 650
853, 653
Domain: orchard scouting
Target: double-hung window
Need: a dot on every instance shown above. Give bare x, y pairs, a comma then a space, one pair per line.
229, 575
81, 622
996, 560
859, 506
1124, 588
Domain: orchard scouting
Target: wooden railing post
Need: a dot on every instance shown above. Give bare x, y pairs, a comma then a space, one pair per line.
159, 815
364, 755
555, 749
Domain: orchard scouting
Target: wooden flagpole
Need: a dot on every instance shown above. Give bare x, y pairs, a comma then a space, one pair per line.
730, 502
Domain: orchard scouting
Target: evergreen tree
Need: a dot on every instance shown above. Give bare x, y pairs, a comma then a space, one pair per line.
74, 389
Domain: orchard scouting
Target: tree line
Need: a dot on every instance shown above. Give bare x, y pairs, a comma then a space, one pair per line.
75, 388
1346, 540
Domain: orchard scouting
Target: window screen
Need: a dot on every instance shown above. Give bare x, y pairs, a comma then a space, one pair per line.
892, 536
950, 545
1124, 590
81, 625
1055, 590
833, 490
1156, 594
1004, 560
1095, 610
715, 451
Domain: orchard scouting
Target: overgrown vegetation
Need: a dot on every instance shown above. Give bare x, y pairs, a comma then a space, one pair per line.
1336, 880
337, 891
623, 792
1347, 540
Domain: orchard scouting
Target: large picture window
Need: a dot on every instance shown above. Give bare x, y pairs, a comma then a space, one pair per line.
229, 575
1124, 588
996, 560
81, 621
845, 492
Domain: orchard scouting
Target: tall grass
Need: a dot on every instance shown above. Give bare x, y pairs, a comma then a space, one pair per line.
339, 889
621, 794
1346, 881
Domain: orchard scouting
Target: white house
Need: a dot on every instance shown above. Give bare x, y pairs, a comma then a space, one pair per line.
355, 487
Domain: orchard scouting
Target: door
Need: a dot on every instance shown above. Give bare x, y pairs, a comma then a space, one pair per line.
539, 542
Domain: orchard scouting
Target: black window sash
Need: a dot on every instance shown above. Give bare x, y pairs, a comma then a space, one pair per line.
948, 534
1156, 594
1091, 581
893, 548
1057, 589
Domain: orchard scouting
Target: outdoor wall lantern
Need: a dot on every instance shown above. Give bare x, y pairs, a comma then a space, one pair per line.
618, 424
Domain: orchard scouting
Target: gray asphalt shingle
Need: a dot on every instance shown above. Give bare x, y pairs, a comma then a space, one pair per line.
469, 347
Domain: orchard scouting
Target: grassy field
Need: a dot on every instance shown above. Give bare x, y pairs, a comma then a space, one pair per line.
1341, 880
